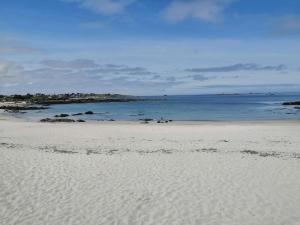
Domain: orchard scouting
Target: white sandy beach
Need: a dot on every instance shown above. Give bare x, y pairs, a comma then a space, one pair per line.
232, 173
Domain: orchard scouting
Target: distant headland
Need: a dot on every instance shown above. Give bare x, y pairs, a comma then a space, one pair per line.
41, 101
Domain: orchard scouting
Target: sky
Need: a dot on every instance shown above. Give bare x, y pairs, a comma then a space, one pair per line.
149, 47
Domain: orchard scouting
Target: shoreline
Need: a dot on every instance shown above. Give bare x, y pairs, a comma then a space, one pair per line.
175, 127
8, 117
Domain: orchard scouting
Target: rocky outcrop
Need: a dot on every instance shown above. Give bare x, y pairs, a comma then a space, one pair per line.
77, 114
64, 120
89, 112
18, 108
62, 115
43, 99
164, 121
291, 103
146, 119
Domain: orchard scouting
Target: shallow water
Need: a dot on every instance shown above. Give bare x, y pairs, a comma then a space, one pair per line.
192, 107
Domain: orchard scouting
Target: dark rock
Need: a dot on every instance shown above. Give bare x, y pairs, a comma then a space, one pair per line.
89, 112
62, 115
111, 120
297, 107
49, 120
80, 121
77, 114
146, 120
164, 121
14, 111
252, 152
291, 103
17, 108
139, 114
46, 120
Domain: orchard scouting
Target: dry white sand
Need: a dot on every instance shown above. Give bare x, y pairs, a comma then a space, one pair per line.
130, 173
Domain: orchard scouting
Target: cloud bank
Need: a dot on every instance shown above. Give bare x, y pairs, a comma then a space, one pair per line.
87, 75
72, 64
81, 75
238, 67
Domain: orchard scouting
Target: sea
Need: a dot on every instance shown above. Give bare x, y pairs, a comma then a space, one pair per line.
181, 108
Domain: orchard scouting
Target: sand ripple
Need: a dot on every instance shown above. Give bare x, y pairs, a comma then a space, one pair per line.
43, 188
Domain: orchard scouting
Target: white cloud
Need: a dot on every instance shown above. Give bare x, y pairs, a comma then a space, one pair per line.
9, 68
10, 73
106, 7
206, 10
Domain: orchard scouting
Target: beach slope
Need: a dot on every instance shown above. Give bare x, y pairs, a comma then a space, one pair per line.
206, 173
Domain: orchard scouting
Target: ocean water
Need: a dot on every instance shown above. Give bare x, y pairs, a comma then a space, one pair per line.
189, 107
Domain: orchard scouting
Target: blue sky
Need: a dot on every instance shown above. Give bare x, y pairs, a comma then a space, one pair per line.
149, 47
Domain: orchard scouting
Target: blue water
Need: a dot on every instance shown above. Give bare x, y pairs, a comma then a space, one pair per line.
193, 107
